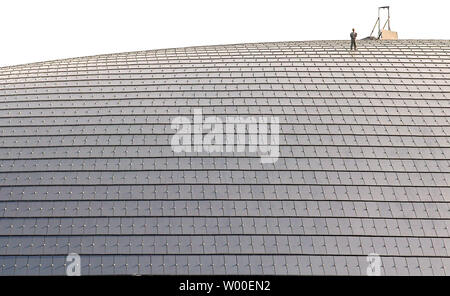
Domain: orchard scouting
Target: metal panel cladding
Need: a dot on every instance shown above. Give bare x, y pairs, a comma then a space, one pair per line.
87, 166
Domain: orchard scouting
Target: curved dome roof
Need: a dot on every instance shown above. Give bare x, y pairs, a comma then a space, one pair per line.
88, 166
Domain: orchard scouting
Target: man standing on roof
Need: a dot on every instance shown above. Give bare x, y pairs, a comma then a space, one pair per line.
353, 35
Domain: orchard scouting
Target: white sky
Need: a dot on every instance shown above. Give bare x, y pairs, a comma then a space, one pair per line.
33, 31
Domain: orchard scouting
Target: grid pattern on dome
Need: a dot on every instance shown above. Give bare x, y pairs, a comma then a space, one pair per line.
86, 164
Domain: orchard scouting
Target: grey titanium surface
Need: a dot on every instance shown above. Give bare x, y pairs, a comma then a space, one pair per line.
86, 164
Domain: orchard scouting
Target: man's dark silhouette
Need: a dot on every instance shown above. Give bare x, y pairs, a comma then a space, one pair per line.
353, 35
